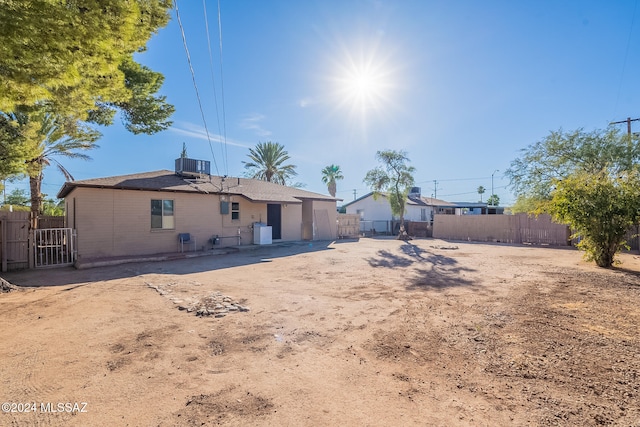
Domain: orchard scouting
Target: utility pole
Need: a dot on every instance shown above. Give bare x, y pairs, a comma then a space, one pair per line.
435, 189
354, 194
628, 122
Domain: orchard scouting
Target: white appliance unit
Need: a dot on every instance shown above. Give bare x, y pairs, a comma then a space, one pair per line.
262, 234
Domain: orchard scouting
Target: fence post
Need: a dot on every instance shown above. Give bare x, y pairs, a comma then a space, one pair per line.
519, 218
3, 230
31, 252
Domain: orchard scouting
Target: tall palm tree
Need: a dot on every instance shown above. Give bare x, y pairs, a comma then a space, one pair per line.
481, 191
267, 163
330, 175
54, 136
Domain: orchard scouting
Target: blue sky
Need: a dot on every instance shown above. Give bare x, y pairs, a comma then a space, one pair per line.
461, 86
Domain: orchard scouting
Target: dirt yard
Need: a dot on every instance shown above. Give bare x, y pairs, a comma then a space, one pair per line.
373, 332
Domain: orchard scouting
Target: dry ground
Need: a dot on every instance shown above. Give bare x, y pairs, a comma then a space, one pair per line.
370, 332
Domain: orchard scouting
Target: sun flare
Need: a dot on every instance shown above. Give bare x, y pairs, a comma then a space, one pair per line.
363, 80
362, 87
364, 83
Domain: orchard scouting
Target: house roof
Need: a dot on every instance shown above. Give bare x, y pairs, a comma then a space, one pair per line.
470, 204
428, 201
361, 198
411, 200
167, 181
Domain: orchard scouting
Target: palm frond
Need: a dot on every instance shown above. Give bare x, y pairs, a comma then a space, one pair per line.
64, 171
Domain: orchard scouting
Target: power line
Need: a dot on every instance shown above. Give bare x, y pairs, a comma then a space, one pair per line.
628, 122
626, 55
213, 82
454, 179
470, 192
224, 114
193, 77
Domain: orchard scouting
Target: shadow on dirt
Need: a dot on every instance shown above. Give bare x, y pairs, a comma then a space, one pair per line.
435, 271
626, 276
387, 259
254, 255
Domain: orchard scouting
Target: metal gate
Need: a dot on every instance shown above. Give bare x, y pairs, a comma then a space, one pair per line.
54, 247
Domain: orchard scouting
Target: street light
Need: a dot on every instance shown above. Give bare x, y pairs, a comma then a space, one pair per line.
492, 193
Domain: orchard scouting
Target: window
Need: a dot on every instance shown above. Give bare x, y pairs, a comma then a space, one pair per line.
162, 214
361, 213
235, 210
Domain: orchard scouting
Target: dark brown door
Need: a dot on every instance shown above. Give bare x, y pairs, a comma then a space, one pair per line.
274, 219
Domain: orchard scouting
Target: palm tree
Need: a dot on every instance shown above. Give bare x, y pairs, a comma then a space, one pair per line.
267, 163
330, 175
54, 136
481, 192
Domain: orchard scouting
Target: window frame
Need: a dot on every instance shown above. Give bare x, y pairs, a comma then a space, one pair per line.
167, 221
235, 211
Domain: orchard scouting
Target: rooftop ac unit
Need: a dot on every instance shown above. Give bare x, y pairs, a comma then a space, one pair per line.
192, 167
415, 192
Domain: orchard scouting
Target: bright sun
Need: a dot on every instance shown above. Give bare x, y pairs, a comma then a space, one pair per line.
362, 87
363, 81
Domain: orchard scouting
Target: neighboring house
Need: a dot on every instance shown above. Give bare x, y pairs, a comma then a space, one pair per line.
143, 214
370, 209
478, 208
417, 208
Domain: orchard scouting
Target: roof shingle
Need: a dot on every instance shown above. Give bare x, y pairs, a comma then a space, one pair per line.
165, 180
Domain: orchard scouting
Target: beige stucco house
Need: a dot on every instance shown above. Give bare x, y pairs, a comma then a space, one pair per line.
144, 213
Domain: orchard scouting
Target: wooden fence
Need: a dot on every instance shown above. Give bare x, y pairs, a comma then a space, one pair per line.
14, 240
419, 228
632, 238
46, 221
16, 245
348, 226
520, 228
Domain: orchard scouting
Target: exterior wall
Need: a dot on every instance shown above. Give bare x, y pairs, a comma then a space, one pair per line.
414, 213
325, 220
292, 221
374, 210
307, 220
232, 232
380, 210
112, 222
